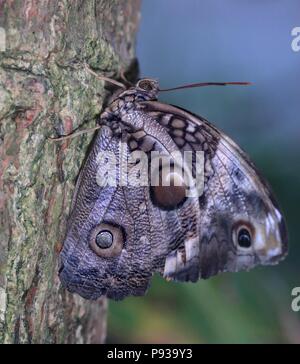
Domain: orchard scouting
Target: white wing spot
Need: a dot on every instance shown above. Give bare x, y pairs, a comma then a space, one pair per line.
278, 215
259, 241
191, 128
191, 248
170, 264
274, 252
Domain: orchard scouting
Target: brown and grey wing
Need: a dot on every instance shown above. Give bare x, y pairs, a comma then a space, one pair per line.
235, 201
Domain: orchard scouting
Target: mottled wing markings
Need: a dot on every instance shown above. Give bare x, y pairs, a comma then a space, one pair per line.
194, 133
222, 166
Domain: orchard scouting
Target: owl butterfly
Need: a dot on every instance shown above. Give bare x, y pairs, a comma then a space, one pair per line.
119, 235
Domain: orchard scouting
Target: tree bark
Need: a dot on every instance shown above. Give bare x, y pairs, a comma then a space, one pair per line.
46, 91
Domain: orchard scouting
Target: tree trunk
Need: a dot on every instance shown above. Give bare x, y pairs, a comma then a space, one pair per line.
46, 91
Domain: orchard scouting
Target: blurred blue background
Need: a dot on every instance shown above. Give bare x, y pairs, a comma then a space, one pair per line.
214, 40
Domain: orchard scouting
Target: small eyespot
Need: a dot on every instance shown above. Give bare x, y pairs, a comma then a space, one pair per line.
145, 85
107, 240
244, 238
242, 235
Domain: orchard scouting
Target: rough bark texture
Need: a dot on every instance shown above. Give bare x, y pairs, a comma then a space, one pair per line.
45, 91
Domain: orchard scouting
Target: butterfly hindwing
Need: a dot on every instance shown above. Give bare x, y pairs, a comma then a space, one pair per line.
234, 194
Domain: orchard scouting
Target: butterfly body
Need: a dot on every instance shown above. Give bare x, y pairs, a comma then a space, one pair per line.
119, 235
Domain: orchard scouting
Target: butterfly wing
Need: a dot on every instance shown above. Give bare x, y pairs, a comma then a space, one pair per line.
106, 208
235, 197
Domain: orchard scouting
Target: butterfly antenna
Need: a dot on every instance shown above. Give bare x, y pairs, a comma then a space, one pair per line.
73, 135
201, 84
103, 78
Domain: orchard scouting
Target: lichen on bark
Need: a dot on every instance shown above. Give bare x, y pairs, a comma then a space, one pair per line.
45, 91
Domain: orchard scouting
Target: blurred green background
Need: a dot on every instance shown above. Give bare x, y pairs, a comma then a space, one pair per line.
214, 40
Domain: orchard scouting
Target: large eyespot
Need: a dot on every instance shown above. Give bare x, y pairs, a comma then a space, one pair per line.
145, 85
170, 189
107, 240
242, 236
168, 197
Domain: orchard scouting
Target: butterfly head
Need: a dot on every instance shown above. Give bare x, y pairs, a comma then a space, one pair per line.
145, 88
148, 84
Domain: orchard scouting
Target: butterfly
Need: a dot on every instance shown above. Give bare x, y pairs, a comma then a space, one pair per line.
119, 235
